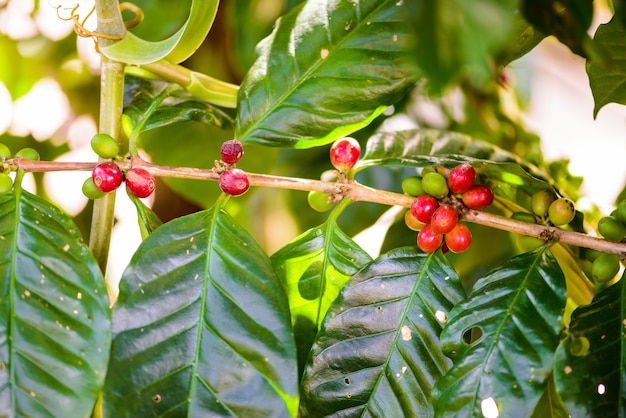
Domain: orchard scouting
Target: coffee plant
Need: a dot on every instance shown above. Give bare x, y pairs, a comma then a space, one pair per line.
492, 294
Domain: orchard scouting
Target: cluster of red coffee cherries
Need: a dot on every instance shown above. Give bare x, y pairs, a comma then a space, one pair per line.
233, 181
434, 212
108, 176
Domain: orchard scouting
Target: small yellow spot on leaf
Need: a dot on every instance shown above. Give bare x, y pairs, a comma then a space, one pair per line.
324, 53
405, 331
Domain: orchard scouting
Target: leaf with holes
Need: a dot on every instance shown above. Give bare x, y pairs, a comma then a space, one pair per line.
513, 317
327, 70
314, 268
54, 319
201, 327
589, 370
378, 349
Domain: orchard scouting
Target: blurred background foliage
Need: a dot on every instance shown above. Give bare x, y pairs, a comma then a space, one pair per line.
49, 96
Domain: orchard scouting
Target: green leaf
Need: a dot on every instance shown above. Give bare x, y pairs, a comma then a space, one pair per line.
378, 351
55, 321
513, 317
148, 220
458, 40
608, 81
175, 48
507, 174
550, 404
327, 70
201, 327
591, 382
314, 267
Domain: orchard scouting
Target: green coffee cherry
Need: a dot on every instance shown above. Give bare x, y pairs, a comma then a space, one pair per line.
524, 217
319, 201
621, 211
541, 201
435, 185
580, 346
28, 153
592, 254
105, 145
605, 267
6, 183
413, 186
561, 211
5, 152
90, 190
611, 229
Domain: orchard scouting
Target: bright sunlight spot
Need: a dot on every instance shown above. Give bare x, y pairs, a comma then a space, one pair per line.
489, 408
601, 389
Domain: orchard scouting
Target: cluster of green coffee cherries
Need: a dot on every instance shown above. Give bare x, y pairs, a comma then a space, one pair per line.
6, 182
604, 266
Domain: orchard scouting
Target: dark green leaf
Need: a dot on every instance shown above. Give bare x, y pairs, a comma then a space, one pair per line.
458, 39
513, 318
550, 404
378, 351
314, 268
608, 81
527, 37
158, 103
201, 327
55, 320
148, 220
591, 381
327, 70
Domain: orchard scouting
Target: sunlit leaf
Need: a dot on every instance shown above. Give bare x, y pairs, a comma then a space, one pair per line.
512, 321
201, 327
54, 321
327, 70
378, 352
314, 268
589, 368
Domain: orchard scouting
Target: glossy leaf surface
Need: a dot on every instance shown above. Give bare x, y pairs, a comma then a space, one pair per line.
314, 268
175, 48
201, 327
591, 381
512, 319
378, 351
54, 320
148, 220
327, 70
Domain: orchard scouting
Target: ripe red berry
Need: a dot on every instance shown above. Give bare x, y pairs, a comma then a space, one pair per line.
444, 219
140, 182
459, 239
107, 176
234, 182
231, 151
461, 178
478, 197
428, 241
423, 207
344, 153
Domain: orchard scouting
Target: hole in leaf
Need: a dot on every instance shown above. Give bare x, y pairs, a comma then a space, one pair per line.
472, 335
346, 381
156, 398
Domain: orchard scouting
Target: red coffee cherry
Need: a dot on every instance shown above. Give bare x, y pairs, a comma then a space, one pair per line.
231, 151
140, 182
423, 207
234, 182
428, 241
459, 238
461, 178
478, 197
344, 153
444, 218
107, 176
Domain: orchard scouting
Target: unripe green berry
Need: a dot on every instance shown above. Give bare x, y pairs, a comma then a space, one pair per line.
561, 211
105, 145
5, 152
621, 211
580, 346
541, 201
592, 254
605, 267
435, 185
319, 201
524, 217
90, 190
413, 186
6, 183
28, 153
611, 229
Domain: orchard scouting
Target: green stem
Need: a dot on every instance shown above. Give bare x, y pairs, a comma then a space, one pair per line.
111, 105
